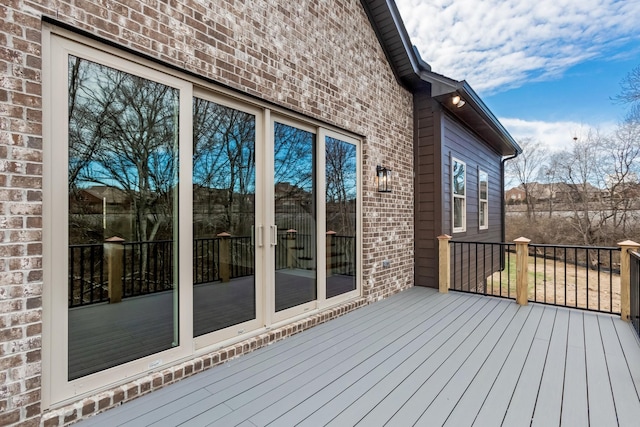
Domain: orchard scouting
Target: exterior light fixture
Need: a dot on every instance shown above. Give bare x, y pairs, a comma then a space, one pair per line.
458, 101
383, 176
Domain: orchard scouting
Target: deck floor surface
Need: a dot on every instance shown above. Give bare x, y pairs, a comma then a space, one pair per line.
418, 358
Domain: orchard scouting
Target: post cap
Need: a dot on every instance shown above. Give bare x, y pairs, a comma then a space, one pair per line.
331, 232
522, 240
629, 243
444, 237
223, 234
114, 239
291, 230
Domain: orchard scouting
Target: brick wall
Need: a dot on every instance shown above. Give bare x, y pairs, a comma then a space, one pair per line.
320, 58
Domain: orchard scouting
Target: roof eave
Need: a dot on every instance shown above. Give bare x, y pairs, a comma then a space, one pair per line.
474, 113
415, 74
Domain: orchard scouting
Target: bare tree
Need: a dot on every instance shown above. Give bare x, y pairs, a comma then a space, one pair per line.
340, 185
550, 176
224, 166
123, 135
526, 168
630, 87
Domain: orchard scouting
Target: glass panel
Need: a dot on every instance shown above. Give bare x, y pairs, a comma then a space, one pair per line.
458, 178
295, 215
341, 197
483, 214
458, 212
123, 177
484, 179
223, 216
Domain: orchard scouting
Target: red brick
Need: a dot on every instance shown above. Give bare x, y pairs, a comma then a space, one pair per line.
68, 418
88, 407
52, 422
9, 418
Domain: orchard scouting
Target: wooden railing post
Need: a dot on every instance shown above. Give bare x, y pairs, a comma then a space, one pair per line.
113, 249
444, 263
225, 257
291, 248
522, 270
329, 254
625, 279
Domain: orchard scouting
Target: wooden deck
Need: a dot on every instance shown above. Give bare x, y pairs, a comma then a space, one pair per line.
418, 358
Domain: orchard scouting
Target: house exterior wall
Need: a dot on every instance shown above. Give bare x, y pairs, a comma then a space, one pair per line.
458, 142
428, 212
320, 59
439, 138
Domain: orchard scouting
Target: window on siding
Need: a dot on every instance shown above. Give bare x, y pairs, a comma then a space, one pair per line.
459, 191
483, 197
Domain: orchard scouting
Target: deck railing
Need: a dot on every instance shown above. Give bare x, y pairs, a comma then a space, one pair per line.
634, 306
483, 268
583, 277
86, 275
147, 267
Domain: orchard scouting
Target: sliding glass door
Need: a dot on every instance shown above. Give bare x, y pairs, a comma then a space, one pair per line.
294, 216
224, 183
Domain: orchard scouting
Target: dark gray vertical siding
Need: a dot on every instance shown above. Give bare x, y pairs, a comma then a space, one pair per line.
438, 138
465, 146
428, 197
460, 143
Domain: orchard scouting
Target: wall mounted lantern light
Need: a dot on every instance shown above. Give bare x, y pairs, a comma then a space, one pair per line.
458, 101
383, 176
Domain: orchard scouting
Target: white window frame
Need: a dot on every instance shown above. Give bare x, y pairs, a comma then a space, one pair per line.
483, 201
55, 233
461, 197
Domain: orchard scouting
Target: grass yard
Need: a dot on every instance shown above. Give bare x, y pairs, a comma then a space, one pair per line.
551, 282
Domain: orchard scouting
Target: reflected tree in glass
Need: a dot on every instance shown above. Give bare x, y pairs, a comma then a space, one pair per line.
223, 202
341, 197
295, 215
122, 181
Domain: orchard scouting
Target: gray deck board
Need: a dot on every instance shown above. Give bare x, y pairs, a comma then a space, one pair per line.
440, 406
524, 396
496, 402
445, 341
468, 406
629, 344
368, 390
601, 406
447, 382
448, 356
575, 409
417, 358
328, 365
549, 402
291, 409
628, 410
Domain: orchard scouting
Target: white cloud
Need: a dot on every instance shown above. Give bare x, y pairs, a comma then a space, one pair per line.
555, 136
501, 44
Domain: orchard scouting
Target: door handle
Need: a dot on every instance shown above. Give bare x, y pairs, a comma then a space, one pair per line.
258, 235
274, 235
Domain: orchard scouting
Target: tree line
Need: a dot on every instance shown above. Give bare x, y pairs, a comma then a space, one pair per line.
588, 193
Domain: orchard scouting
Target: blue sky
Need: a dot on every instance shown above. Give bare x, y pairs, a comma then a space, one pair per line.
546, 68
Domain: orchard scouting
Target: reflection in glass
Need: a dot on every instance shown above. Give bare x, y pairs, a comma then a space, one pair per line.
341, 196
484, 202
123, 177
458, 179
484, 180
295, 214
458, 212
223, 216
